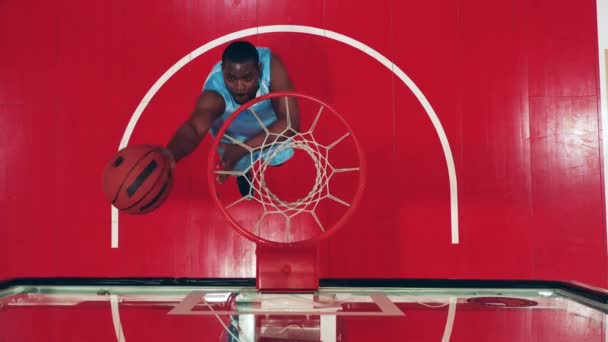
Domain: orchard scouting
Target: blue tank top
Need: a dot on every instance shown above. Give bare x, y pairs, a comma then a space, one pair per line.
245, 126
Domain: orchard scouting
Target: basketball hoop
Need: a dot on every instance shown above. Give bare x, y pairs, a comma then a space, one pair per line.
265, 217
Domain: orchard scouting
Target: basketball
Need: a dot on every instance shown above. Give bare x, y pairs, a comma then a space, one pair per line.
138, 179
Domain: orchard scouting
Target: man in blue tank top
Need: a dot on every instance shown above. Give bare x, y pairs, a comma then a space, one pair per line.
244, 73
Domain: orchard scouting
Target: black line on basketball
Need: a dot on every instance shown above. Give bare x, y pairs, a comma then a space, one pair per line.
118, 161
122, 184
132, 189
158, 180
157, 197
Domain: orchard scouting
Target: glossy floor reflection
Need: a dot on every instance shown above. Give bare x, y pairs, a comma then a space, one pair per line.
220, 313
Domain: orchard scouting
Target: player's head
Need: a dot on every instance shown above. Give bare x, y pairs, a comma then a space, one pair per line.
241, 70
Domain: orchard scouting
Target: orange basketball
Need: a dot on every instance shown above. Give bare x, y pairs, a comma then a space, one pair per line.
138, 179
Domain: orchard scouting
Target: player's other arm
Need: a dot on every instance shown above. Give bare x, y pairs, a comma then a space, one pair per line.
209, 106
279, 81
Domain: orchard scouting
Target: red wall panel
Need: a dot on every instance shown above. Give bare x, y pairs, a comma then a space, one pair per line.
496, 192
567, 198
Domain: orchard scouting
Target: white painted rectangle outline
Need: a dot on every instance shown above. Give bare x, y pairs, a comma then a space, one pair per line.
194, 298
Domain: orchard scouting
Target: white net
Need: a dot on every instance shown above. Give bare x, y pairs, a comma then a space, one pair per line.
303, 141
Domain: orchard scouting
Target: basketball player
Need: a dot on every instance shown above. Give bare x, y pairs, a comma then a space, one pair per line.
244, 73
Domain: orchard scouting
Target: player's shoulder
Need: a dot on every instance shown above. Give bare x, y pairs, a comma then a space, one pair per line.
265, 54
263, 50
211, 102
214, 89
215, 79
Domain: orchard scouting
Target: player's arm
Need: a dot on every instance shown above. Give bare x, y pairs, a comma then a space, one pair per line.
209, 106
280, 81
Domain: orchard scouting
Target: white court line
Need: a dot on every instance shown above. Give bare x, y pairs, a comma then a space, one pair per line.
120, 337
316, 32
329, 328
602, 35
449, 323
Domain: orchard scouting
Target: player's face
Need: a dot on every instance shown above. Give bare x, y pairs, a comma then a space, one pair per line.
241, 79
